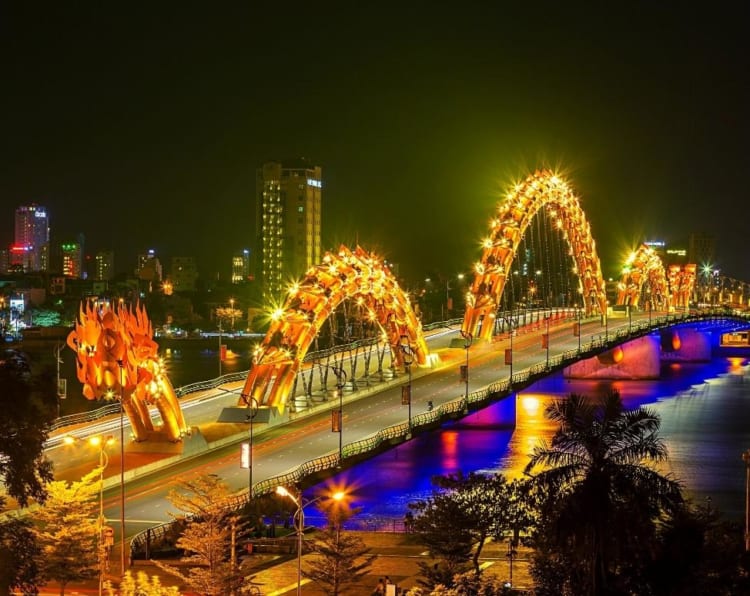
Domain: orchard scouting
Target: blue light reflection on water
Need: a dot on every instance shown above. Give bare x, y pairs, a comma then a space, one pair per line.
705, 412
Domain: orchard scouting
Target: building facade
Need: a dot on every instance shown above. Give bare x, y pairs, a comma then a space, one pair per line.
72, 259
289, 200
183, 274
105, 265
31, 241
241, 267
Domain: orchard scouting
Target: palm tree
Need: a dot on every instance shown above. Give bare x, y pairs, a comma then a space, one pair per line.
601, 497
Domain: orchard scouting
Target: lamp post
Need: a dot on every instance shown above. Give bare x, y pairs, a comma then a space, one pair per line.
101, 443
509, 357
630, 319
300, 517
337, 420
60, 395
546, 337
219, 347
579, 329
606, 323
252, 405
408, 358
467, 344
122, 471
231, 306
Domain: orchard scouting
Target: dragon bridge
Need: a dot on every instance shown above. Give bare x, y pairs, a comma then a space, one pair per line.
359, 276
541, 190
668, 290
116, 358
681, 284
644, 266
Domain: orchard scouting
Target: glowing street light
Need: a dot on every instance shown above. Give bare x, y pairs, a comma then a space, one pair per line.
465, 372
300, 519
101, 443
252, 405
337, 418
408, 359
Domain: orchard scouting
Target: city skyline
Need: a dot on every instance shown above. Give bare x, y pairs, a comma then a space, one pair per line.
145, 130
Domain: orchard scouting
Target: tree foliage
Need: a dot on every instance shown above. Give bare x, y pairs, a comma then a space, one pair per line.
602, 498
208, 539
67, 530
340, 558
29, 406
19, 554
458, 519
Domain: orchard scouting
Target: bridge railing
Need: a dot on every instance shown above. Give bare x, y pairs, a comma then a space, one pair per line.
424, 421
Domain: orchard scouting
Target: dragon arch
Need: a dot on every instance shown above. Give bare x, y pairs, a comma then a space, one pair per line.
644, 265
116, 358
358, 276
681, 284
541, 190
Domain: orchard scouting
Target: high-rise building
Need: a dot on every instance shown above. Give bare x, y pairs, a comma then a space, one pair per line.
241, 267
72, 259
701, 250
31, 243
288, 222
105, 265
183, 274
149, 270
4, 260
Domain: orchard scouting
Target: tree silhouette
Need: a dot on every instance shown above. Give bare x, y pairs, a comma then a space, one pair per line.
602, 498
28, 405
340, 559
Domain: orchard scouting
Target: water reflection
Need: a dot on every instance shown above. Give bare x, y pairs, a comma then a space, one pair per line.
705, 412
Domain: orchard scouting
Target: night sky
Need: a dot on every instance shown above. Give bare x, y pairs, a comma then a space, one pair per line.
143, 128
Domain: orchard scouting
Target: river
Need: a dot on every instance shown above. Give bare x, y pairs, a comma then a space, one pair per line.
705, 423
704, 409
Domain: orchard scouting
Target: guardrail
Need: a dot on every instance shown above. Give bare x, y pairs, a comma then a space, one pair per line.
426, 420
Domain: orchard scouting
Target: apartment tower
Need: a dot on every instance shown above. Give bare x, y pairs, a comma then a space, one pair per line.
288, 223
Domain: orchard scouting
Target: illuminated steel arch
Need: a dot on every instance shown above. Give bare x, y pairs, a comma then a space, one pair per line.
644, 265
358, 276
541, 190
681, 284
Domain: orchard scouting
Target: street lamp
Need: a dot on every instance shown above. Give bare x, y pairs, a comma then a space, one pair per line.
220, 347
509, 353
545, 339
252, 405
630, 318
231, 306
465, 373
337, 418
300, 517
122, 471
100, 443
408, 358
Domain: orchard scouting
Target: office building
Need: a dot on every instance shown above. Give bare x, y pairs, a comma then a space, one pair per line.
72, 259
105, 265
288, 222
241, 267
183, 274
701, 250
31, 242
